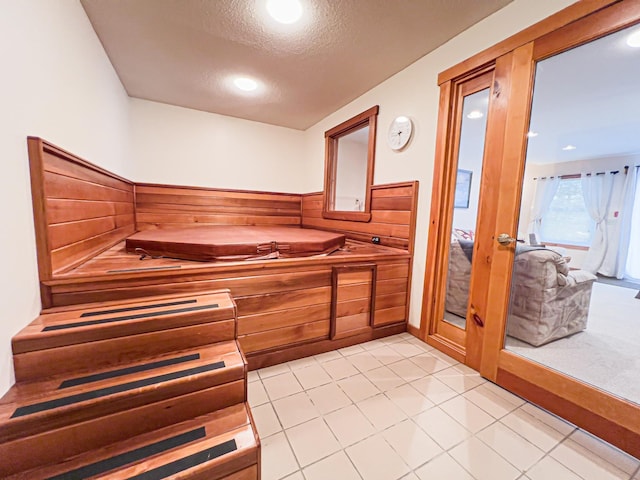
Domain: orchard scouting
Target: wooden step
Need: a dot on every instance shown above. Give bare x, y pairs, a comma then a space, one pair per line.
112, 353
99, 321
34, 407
53, 446
220, 445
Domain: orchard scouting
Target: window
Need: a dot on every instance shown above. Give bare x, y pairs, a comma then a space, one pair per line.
349, 158
567, 220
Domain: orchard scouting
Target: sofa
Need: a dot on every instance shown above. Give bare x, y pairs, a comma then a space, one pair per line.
548, 300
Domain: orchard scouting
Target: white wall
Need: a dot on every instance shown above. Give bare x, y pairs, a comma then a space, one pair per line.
56, 83
351, 174
180, 146
414, 92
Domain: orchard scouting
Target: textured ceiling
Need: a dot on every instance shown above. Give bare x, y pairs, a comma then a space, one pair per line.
183, 52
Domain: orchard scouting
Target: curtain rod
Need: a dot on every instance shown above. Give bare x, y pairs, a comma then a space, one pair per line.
577, 175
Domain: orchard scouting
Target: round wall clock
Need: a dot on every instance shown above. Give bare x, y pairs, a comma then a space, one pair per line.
400, 132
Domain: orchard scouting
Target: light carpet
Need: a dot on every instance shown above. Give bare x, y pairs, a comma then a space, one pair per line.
607, 353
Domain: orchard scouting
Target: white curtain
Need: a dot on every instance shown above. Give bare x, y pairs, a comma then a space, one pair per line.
596, 190
633, 243
618, 224
546, 189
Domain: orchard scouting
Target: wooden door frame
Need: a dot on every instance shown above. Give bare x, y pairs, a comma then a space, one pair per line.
433, 329
611, 418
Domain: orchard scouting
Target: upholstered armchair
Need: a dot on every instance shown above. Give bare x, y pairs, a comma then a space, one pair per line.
548, 300
458, 277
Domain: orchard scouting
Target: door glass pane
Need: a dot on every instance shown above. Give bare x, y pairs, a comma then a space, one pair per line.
465, 211
575, 303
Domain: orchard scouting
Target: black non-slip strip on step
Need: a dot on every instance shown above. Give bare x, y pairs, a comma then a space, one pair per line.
124, 270
103, 392
188, 462
129, 317
141, 307
133, 456
126, 371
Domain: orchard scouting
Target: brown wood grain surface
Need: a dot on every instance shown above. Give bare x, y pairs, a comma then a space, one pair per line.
86, 213
71, 440
392, 215
280, 337
169, 206
80, 210
216, 423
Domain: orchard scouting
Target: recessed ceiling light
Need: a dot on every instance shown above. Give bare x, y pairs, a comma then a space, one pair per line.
633, 40
569, 147
531, 134
245, 84
285, 11
475, 114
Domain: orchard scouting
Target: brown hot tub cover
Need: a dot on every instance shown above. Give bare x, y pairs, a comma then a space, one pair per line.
207, 243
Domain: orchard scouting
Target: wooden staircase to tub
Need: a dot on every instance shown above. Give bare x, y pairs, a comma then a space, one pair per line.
148, 389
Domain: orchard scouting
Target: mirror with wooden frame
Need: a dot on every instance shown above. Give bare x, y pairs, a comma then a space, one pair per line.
349, 161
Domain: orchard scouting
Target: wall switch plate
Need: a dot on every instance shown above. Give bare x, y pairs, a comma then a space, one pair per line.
375, 240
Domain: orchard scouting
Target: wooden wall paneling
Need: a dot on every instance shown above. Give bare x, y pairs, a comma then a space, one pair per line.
284, 336
80, 210
392, 293
281, 300
161, 206
349, 315
61, 210
261, 322
65, 187
69, 256
295, 315
40, 218
276, 304
277, 355
393, 213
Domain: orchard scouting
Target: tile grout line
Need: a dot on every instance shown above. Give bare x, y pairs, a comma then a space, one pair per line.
491, 396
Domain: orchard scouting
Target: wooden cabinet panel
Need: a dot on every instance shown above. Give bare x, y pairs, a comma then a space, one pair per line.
351, 316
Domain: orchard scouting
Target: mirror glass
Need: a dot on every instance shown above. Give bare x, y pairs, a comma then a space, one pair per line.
349, 160
351, 170
465, 208
575, 293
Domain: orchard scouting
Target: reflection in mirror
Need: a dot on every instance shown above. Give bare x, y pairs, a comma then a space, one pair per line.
351, 170
575, 301
349, 161
467, 193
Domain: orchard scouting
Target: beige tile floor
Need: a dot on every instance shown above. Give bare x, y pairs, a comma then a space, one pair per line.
397, 409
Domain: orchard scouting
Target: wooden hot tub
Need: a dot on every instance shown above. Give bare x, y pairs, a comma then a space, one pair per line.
287, 307
234, 242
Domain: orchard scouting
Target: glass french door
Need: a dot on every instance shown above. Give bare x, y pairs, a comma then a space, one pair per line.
451, 302
568, 145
